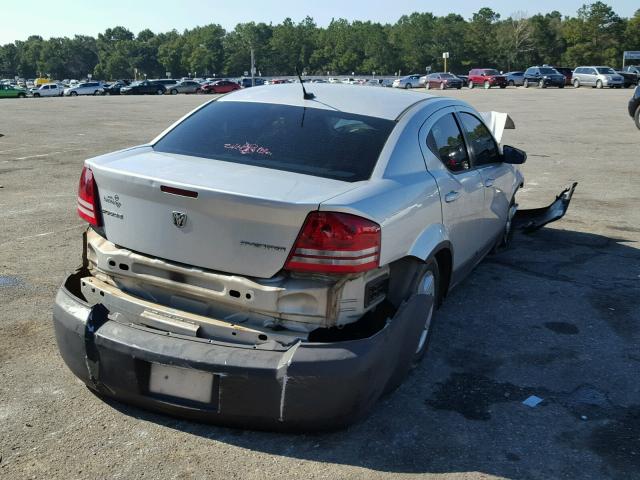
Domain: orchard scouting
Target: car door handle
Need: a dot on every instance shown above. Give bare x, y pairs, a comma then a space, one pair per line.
489, 182
451, 196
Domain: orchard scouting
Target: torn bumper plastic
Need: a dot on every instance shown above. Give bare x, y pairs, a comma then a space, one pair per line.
536, 218
304, 386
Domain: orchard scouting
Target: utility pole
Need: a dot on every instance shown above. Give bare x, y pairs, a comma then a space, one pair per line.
253, 68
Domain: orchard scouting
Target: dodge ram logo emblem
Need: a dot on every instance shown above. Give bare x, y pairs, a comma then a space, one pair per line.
179, 219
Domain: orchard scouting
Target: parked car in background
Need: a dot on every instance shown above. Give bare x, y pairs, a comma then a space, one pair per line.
634, 106
464, 78
185, 86
442, 80
515, 79
599, 77
41, 81
568, 74
167, 82
245, 82
113, 88
543, 77
221, 86
47, 90
487, 78
12, 91
84, 88
409, 81
143, 87
630, 78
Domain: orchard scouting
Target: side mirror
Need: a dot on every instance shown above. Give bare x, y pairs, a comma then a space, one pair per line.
513, 155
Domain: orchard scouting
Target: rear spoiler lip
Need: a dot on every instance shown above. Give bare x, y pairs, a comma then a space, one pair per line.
498, 122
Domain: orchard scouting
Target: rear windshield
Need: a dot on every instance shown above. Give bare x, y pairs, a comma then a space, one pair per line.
491, 72
324, 143
548, 71
606, 70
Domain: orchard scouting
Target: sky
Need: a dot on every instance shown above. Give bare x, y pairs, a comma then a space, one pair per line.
19, 19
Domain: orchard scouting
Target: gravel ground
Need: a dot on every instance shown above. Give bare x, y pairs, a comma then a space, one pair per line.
556, 316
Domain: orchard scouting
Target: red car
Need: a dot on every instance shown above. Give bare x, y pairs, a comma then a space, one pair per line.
221, 86
568, 74
487, 77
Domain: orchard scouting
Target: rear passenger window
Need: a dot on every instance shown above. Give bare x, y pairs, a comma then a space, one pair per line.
446, 142
482, 143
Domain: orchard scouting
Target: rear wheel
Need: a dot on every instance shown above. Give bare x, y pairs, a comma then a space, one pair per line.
487, 85
507, 232
408, 86
174, 91
471, 84
442, 86
427, 86
512, 83
36, 95
636, 117
159, 92
599, 84
525, 84
425, 283
541, 84
22, 95
576, 83
561, 85
74, 94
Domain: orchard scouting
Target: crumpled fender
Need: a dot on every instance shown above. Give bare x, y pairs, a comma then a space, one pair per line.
535, 218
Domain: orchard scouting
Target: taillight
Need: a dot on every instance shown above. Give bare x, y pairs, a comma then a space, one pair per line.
332, 242
88, 201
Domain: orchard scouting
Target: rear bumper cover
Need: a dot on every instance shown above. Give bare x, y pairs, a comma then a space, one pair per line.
307, 386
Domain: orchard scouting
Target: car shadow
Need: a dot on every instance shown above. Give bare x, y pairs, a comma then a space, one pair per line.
556, 316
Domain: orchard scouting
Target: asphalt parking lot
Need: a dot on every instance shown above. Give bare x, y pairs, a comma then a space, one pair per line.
556, 316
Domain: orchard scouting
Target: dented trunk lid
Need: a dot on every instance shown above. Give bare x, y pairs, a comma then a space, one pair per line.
244, 220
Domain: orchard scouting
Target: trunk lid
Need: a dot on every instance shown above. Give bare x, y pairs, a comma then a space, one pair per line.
244, 220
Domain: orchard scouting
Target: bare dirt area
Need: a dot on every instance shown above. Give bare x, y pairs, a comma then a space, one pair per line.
556, 316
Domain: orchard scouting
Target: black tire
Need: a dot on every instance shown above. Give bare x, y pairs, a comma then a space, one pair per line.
512, 83
74, 94
159, 92
576, 83
599, 84
471, 85
459, 87
427, 86
561, 86
636, 117
22, 95
408, 86
173, 91
541, 84
421, 345
503, 86
525, 84
442, 86
107, 93
487, 85
36, 95
504, 241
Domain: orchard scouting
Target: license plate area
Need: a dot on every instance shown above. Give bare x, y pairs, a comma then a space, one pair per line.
183, 385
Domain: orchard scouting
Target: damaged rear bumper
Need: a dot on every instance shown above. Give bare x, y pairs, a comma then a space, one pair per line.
302, 386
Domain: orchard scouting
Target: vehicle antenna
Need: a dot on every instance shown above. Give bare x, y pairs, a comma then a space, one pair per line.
306, 95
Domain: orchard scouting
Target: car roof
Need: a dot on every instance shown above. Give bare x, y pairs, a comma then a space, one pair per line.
374, 102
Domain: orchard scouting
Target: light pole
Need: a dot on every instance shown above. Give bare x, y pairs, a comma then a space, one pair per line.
253, 68
445, 55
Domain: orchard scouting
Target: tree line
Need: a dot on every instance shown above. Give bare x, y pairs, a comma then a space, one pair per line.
595, 35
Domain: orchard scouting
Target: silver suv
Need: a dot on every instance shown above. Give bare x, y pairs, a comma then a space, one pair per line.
598, 77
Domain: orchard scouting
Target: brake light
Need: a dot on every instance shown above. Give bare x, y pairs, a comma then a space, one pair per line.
332, 242
88, 200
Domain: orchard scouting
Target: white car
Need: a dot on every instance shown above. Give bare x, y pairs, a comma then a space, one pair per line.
274, 259
410, 81
84, 88
47, 90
